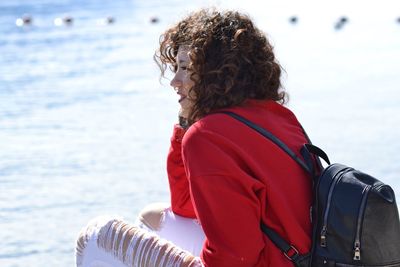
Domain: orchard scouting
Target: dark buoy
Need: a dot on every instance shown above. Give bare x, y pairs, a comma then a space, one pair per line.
341, 22
68, 20
293, 19
154, 20
110, 20
25, 20
398, 20
106, 21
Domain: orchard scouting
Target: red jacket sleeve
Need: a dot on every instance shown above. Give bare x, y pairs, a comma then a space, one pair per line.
178, 182
225, 200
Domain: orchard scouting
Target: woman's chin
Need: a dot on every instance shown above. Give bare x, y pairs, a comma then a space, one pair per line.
185, 103
185, 108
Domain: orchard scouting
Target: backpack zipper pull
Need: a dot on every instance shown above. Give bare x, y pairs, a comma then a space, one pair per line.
323, 236
357, 241
357, 251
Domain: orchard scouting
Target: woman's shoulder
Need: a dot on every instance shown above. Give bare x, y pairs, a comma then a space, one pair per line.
257, 111
267, 114
214, 123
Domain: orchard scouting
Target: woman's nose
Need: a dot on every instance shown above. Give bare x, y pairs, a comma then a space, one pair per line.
176, 82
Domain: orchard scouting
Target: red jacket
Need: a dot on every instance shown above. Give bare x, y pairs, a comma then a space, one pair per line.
235, 178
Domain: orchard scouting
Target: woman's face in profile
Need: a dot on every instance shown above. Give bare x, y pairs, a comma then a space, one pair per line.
181, 81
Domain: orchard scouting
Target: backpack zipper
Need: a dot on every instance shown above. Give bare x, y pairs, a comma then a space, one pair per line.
324, 229
357, 240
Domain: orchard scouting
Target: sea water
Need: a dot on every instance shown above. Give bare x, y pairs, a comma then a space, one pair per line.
85, 123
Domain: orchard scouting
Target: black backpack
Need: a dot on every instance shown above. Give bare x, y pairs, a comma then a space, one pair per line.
355, 216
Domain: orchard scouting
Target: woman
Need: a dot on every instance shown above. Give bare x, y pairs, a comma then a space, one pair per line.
222, 173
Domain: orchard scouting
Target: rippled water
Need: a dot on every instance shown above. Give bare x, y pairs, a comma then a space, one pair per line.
85, 124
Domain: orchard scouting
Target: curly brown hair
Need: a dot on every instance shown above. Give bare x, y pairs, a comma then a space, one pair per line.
231, 60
